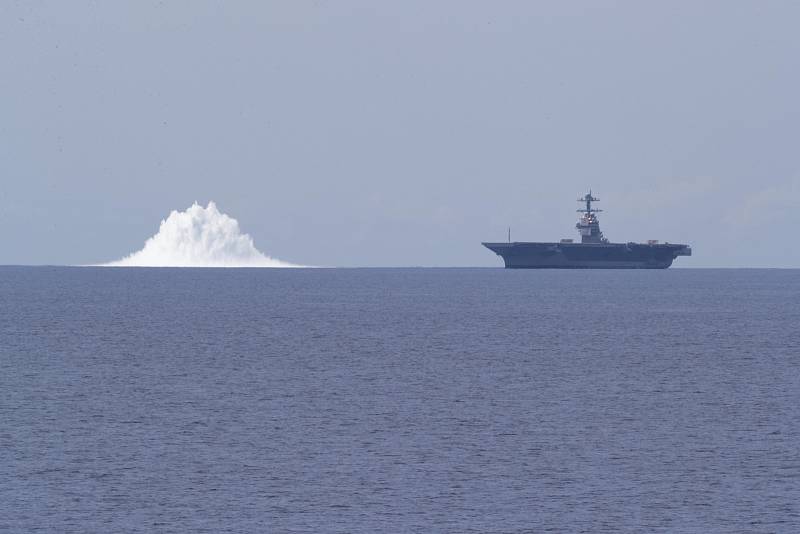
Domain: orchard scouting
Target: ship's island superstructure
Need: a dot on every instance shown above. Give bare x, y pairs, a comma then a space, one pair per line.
593, 252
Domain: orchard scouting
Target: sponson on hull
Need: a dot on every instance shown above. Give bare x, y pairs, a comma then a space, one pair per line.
593, 252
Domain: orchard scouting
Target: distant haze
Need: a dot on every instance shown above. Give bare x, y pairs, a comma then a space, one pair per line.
400, 133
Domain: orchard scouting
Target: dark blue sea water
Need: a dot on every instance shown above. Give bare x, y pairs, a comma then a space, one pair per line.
399, 400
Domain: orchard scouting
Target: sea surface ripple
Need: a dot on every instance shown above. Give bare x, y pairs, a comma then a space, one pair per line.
399, 400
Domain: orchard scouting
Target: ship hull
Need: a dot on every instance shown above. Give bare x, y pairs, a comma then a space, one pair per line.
588, 255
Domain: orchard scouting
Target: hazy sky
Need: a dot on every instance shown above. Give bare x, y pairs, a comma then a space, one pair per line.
400, 133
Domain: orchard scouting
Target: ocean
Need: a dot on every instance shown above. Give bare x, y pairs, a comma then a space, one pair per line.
399, 400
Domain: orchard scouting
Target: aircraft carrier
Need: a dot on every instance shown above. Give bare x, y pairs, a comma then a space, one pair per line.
593, 252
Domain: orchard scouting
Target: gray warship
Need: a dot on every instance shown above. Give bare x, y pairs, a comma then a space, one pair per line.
593, 252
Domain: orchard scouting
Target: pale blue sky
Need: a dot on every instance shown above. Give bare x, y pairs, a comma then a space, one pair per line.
400, 133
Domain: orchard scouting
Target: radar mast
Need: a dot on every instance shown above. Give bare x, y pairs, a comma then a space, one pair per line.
588, 225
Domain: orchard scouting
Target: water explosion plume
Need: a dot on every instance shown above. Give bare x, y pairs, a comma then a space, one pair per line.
199, 237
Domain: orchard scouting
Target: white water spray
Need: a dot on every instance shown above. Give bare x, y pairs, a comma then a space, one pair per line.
199, 237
